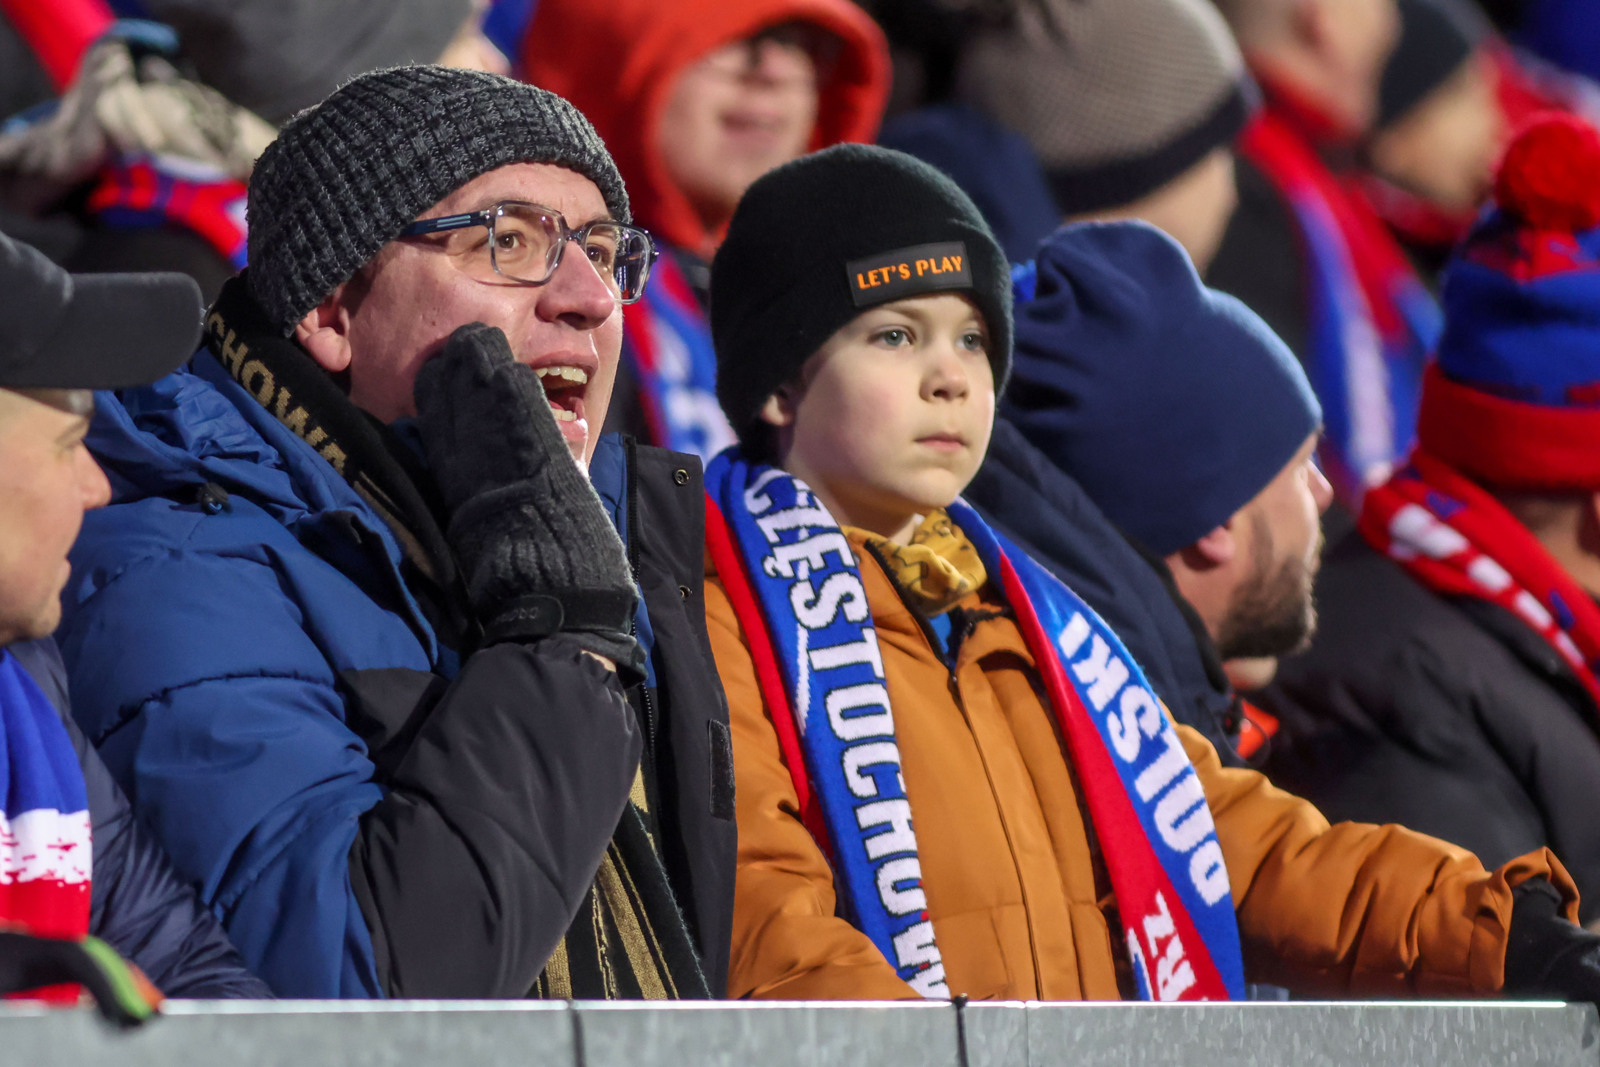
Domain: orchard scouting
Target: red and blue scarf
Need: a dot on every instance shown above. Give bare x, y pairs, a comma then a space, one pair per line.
1458, 540
137, 192
792, 579
667, 344
45, 850
1372, 323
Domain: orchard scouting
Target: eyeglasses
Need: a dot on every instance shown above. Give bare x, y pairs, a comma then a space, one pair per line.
526, 241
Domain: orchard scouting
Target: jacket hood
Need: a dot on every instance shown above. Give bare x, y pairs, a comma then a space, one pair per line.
619, 61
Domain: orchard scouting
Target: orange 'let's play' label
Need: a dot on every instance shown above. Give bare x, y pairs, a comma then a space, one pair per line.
909, 272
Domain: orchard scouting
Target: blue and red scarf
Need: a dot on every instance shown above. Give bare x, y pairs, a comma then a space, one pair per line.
1458, 540
792, 579
138, 192
1372, 323
45, 850
667, 343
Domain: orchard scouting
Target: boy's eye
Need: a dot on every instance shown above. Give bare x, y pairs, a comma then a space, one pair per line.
894, 337
974, 342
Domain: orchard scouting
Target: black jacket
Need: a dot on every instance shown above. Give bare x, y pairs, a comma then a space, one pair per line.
1048, 515
137, 903
1445, 715
688, 748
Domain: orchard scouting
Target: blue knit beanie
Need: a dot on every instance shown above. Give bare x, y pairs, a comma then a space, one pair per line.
1171, 403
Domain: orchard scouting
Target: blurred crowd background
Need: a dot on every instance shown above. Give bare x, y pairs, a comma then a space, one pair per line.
134, 125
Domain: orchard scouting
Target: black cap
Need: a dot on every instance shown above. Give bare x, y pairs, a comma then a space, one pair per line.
90, 331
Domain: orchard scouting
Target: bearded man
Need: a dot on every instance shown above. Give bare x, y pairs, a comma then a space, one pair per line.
1156, 452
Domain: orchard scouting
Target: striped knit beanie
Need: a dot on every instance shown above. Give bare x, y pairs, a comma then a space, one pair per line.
1513, 400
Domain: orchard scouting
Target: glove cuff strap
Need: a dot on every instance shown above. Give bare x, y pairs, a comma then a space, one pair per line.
528, 618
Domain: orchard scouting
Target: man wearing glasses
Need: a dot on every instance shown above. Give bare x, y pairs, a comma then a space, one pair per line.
366, 646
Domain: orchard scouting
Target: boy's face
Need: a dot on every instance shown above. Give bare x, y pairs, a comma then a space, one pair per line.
1356, 38
891, 417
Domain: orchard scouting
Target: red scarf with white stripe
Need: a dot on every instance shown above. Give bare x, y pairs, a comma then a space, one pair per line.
1458, 540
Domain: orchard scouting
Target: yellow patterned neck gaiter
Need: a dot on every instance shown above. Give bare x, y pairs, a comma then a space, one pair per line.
937, 568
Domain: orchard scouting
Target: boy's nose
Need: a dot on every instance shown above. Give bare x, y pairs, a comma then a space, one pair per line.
948, 378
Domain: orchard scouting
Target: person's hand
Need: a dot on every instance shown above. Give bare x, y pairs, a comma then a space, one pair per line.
536, 547
1547, 956
122, 993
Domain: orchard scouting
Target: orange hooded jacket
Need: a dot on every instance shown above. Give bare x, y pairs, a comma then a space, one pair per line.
619, 60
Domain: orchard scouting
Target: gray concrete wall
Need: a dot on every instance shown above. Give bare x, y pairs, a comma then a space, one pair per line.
470, 1034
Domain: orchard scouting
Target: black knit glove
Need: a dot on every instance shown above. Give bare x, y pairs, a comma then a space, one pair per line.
123, 995
535, 545
1547, 956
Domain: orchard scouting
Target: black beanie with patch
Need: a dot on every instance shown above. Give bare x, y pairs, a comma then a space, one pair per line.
819, 240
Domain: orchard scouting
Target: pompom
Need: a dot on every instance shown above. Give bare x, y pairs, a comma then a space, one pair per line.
1550, 176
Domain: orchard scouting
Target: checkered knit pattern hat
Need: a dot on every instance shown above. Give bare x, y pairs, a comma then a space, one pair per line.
1117, 97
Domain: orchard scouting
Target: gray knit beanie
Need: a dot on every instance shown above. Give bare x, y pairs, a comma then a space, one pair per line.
346, 176
1117, 97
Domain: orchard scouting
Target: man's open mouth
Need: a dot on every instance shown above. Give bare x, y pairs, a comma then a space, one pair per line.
565, 387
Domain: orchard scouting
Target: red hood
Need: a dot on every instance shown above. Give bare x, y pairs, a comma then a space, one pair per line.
617, 60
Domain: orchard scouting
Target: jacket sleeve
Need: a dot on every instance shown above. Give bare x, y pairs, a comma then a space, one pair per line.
497, 816
1355, 908
788, 942
139, 905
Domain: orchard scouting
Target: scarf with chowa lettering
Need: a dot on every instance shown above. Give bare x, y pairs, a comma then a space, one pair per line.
792, 579
1458, 540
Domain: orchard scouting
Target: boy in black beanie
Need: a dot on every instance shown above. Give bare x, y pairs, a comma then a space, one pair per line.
885, 653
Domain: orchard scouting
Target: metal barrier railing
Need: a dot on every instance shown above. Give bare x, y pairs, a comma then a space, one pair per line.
474, 1034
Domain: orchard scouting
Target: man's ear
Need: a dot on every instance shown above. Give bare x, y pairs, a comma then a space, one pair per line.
325, 332
779, 409
1216, 549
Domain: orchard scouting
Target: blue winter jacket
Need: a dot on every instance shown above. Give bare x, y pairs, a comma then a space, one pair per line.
258, 809
239, 629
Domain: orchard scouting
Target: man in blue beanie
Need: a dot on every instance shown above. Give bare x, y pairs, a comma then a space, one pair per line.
1193, 446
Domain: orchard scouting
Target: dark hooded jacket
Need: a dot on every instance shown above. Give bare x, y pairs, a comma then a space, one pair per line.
1446, 715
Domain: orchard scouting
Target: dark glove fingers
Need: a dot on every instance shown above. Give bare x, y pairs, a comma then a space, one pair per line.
556, 539
28, 963
533, 540
484, 418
